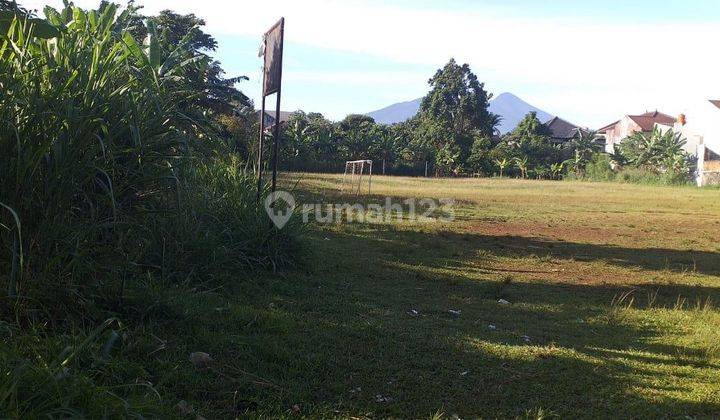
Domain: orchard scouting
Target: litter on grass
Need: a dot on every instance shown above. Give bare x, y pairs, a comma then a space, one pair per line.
503, 302
382, 398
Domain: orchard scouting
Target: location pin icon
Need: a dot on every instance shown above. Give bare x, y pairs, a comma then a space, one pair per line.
278, 215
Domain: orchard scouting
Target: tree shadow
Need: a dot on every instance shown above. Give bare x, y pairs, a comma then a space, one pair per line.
342, 338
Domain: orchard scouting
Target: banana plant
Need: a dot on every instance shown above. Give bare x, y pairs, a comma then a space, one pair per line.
522, 165
556, 169
502, 164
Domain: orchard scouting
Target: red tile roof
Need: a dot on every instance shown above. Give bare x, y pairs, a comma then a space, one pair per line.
648, 120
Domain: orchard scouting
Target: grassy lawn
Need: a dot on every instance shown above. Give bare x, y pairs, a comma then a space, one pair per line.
611, 292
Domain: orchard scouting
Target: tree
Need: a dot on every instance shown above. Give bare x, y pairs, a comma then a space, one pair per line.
522, 165
583, 147
458, 100
357, 133
214, 92
384, 145
453, 113
656, 151
479, 159
556, 169
652, 149
502, 163
529, 142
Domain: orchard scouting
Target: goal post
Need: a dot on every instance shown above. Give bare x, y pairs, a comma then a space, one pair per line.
355, 172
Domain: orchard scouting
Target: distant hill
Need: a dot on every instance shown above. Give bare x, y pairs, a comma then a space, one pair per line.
396, 113
511, 108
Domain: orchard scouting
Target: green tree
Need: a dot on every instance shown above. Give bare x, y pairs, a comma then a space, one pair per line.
530, 142
384, 146
659, 152
212, 90
356, 135
583, 146
479, 160
453, 113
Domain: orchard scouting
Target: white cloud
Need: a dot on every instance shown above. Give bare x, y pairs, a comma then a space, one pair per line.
586, 71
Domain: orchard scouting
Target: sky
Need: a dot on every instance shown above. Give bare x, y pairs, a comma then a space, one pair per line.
589, 62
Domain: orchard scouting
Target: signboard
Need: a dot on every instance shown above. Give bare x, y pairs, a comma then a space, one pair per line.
272, 52
273, 57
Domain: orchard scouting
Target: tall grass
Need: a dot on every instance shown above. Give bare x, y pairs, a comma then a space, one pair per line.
108, 171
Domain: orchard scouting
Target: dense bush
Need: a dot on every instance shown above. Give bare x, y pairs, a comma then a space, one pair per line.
109, 167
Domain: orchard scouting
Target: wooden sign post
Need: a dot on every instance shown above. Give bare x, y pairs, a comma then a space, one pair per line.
272, 52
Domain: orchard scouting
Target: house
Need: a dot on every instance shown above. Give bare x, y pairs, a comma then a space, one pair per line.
699, 126
701, 131
616, 132
562, 131
270, 117
708, 166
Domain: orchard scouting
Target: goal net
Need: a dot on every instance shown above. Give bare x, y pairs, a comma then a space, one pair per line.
357, 176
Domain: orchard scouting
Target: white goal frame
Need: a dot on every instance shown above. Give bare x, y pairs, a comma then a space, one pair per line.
355, 169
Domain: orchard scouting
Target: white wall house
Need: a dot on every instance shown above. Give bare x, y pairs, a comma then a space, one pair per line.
699, 125
701, 129
617, 131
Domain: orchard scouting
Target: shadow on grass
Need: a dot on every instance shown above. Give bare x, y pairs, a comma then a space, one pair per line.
704, 262
341, 340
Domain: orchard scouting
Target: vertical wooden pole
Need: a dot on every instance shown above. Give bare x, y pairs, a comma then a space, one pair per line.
260, 140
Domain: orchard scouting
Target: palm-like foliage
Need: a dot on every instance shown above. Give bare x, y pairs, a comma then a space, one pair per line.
583, 146
522, 164
663, 151
502, 164
556, 169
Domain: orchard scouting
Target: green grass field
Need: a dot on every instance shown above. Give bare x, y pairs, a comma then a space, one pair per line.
612, 292
611, 288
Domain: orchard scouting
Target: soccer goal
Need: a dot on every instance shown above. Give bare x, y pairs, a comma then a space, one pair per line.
355, 172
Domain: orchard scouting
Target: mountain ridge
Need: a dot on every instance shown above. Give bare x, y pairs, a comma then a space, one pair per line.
510, 107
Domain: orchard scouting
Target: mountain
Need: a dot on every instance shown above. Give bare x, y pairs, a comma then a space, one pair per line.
396, 113
511, 108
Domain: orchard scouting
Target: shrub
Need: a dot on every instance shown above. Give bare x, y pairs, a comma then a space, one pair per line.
599, 168
109, 169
